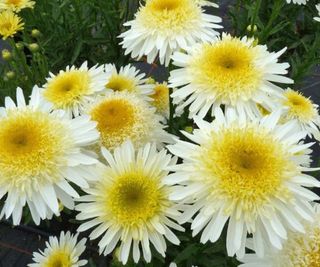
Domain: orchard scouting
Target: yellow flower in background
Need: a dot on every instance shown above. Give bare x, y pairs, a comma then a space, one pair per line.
16, 5
10, 24
122, 116
161, 99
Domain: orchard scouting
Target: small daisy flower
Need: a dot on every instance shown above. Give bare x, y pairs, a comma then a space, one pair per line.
318, 9
161, 27
122, 116
72, 89
10, 24
129, 204
299, 250
128, 78
297, 107
41, 152
16, 5
161, 98
231, 71
62, 252
299, 2
250, 173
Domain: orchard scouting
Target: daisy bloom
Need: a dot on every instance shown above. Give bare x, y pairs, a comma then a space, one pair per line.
129, 204
62, 252
161, 27
299, 2
299, 250
122, 116
318, 9
297, 107
128, 78
73, 88
16, 5
161, 98
230, 71
10, 24
41, 152
247, 172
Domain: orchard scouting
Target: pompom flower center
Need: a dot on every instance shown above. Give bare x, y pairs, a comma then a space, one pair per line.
227, 70
31, 144
169, 16
299, 106
66, 89
14, 2
134, 198
120, 83
245, 165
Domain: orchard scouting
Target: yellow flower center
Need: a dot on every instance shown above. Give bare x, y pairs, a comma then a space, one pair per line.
300, 107
134, 198
67, 89
161, 98
169, 16
121, 83
246, 166
227, 70
31, 147
59, 258
119, 120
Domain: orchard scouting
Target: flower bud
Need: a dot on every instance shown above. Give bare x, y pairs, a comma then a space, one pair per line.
34, 47
6, 55
35, 33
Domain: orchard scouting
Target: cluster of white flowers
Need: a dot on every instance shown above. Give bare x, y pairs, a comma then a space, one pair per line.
103, 130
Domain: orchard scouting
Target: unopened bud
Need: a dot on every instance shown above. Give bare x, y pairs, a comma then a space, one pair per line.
35, 33
34, 47
19, 46
10, 75
6, 55
252, 29
150, 81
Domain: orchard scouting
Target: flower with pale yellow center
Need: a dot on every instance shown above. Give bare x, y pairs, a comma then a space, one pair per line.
129, 203
62, 252
161, 27
128, 78
123, 116
16, 5
230, 71
71, 90
297, 107
299, 250
248, 175
41, 153
10, 24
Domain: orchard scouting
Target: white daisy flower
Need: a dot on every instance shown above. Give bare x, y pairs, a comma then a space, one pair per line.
161, 27
72, 89
299, 250
129, 204
128, 78
297, 107
299, 2
231, 71
318, 9
122, 116
41, 152
62, 252
247, 172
